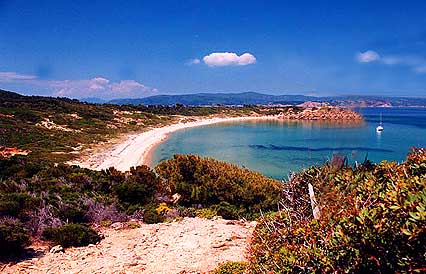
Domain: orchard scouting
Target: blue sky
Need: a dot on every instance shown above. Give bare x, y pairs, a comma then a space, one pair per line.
112, 49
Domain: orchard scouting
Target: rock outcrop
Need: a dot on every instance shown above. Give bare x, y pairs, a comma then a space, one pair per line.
322, 113
7, 152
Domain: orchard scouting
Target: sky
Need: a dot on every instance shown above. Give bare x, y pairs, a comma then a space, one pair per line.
128, 49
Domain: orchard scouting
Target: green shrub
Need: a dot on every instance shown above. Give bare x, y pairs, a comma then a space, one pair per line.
227, 211
231, 268
208, 182
17, 204
371, 221
138, 188
13, 236
151, 215
73, 213
206, 213
72, 235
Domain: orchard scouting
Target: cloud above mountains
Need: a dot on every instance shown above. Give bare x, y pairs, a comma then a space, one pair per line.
13, 76
415, 63
221, 59
95, 87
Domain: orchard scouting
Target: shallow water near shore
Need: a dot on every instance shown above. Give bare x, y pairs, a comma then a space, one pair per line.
275, 148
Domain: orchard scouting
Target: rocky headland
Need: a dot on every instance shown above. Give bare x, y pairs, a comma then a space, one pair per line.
323, 113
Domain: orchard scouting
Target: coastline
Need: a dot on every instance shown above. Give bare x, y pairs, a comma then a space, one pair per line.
136, 149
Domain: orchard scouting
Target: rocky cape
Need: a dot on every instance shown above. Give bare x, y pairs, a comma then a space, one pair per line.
323, 113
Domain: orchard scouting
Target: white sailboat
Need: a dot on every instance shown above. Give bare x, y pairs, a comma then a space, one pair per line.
380, 127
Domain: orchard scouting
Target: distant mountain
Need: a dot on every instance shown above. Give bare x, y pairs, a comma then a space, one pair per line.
249, 98
375, 101
200, 99
254, 98
93, 100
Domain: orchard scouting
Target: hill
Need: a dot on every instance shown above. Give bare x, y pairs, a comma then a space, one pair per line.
254, 98
199, 99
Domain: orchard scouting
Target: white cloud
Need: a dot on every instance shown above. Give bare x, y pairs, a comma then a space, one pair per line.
13, 76
194, 61
98, 83
220, 59
95, 87
367, 56
420, 69
100, 87
129, 86
415, 63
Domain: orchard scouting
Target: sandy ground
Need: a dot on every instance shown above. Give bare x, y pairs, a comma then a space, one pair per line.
192, 245
135, 148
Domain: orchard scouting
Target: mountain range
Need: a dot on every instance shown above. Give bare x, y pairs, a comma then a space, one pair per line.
254, 98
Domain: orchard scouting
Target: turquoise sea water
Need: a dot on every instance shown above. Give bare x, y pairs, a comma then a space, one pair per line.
276, 148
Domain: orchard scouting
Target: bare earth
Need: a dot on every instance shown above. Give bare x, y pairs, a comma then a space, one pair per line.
192, 245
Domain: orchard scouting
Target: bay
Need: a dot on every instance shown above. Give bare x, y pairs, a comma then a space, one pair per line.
276, 148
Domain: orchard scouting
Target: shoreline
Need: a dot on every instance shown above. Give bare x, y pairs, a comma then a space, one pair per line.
136, 149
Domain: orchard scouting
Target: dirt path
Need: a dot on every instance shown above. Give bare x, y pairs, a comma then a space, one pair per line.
192, 245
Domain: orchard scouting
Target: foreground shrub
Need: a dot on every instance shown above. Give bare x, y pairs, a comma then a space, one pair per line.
138, 188
73, 212
17, 204
72, 235
151, 215
98, 213
13, 236
207, 182
227, 211
371, 221
206, 213
230, 268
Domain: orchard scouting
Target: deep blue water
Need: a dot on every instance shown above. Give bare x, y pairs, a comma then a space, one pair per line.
276, 148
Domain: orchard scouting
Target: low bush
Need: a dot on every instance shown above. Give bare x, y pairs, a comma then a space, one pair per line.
207, 182
13, 236
138, 188
227, 211
231, 268
151, 214
370, 220
17, 204
73, 212
206, 213
72, 235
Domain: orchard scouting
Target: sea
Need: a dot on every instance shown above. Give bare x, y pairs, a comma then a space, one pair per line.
278, 148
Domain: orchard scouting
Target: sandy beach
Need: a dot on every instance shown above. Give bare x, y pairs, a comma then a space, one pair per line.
136, 148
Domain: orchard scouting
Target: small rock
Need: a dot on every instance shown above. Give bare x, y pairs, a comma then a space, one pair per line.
117, 225
57, 249
175, 198
219, 245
